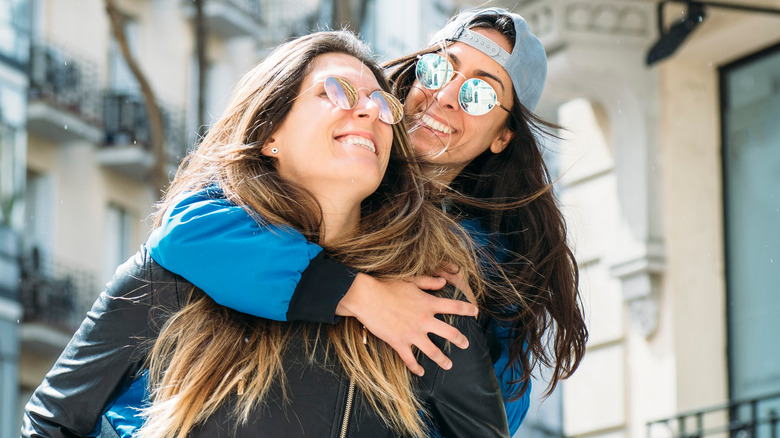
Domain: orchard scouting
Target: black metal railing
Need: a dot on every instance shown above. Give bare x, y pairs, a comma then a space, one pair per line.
753, 418
125, 122
65, 81
54, 293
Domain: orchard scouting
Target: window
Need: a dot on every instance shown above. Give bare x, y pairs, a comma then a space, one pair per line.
120, 76
751, 168
15, 30
117, 241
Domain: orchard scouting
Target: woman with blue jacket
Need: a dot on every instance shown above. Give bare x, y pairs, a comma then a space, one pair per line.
469, 99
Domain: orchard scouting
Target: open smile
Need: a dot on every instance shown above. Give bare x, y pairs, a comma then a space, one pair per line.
357, 140
434, 125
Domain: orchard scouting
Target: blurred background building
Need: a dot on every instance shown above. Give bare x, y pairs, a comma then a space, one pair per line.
669, 173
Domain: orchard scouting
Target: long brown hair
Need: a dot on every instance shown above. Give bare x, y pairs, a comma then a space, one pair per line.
206, 353
511, 194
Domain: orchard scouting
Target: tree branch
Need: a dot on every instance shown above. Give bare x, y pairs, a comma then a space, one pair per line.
159, 174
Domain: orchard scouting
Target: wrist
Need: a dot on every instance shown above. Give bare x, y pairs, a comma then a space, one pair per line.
354, 298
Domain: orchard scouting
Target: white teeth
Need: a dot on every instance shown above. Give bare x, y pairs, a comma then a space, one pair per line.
360, 141
435, 125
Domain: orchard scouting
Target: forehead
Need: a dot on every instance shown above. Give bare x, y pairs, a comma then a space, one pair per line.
470, 59
341, 65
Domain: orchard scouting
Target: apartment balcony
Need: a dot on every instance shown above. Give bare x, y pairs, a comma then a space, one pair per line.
230, 18
63, 96
55, 298
126, 146
751, 418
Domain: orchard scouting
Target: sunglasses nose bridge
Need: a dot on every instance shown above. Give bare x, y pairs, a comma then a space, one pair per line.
365, 105
447, 94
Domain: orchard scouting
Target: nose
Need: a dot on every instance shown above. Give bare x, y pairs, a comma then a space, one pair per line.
366, 108
447, 96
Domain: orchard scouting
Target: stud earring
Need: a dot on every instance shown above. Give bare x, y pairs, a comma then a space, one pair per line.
274, 151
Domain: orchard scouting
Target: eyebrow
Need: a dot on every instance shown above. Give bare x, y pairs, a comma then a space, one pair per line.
478, 72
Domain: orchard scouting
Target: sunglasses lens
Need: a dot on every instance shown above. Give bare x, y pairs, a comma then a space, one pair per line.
433, 71
341, 93
390, 109
477, 97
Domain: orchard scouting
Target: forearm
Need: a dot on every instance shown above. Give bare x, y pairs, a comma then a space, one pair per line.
261, 269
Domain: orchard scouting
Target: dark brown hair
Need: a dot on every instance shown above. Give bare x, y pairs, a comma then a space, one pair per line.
511, 194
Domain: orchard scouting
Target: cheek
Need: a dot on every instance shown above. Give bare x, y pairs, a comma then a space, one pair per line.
415, 99
386, 135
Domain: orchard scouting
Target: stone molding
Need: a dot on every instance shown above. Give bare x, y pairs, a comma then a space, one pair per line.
595, 51
553, 20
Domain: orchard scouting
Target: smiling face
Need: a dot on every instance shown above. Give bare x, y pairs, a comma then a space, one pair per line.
446, 134
339, 155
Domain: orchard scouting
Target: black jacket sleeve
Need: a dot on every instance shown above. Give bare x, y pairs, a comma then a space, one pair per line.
465, 401
323, 284
105, 354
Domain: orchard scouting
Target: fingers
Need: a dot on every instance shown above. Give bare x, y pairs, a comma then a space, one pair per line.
411, 362
446, 306
436, 355
449, 333
429, 283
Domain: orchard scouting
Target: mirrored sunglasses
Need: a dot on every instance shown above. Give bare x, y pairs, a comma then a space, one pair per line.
476, 96
345, 96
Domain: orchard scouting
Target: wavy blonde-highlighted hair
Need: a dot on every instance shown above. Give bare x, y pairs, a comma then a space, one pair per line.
206, 354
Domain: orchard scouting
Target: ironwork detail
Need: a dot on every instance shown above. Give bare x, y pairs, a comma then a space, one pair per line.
125, 122
64, 81
751, 418
54, 293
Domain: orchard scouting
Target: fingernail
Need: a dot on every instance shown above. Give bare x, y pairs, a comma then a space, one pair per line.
448, 365
421, 373
465, 345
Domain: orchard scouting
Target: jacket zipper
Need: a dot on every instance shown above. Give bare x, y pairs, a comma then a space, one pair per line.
350, 396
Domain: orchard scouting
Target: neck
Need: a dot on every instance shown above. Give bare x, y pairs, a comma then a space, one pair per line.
339, 219
446, 175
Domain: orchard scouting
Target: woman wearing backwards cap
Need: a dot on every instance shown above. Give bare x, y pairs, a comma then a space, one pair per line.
469, 99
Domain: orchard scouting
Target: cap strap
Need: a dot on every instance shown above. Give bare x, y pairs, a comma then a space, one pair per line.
483, 44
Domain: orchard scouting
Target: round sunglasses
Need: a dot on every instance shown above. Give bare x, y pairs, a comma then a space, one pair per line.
345, 96
476, 96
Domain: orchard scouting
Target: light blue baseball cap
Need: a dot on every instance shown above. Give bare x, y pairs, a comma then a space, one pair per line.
526, 65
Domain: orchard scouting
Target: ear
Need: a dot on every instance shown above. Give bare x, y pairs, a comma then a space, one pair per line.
266, 149
501, 142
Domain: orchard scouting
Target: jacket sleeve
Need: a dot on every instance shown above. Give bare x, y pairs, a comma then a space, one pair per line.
102, 357
461, 409
261, 269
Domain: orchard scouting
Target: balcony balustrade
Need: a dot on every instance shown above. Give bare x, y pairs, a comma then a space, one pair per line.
64, 97
752, 418
126, 146
55, 298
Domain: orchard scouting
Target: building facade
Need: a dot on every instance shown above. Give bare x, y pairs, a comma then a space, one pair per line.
668, 175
